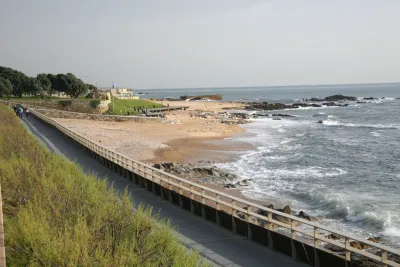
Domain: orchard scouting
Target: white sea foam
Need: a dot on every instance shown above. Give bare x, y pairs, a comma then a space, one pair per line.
282, 168
376, 134
391, 231
377, 126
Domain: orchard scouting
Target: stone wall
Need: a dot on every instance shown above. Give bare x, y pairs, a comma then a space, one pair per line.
74, 105
52, 113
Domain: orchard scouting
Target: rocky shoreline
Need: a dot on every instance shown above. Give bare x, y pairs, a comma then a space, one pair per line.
252, 110
205, 173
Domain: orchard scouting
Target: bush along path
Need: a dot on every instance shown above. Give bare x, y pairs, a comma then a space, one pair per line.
55, 215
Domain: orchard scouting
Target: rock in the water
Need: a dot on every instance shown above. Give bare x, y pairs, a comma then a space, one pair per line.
340, 97
287, 209
330, 104
282, 115
203, 174
304, 215
242, 183
358, 245
333, 236
334, 248
320, 121
333, 98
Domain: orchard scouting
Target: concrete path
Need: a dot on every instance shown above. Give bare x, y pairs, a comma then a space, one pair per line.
219, 245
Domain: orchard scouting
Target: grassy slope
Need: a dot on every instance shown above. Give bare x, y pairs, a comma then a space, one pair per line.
122, 106
55, 215
31, 98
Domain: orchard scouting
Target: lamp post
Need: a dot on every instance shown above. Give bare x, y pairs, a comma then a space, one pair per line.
113, 100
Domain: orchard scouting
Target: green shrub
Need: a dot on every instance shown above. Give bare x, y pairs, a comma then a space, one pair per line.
55, 215
94, 103
65, 103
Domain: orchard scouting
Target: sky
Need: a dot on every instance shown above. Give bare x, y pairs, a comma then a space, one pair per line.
204, 43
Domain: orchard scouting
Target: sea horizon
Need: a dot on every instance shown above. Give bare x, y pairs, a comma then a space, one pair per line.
262, 86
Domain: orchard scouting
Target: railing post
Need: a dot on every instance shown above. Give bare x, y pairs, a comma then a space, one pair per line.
347, 252
169, 190
203, 211
153, 187
293, 238
384, 258
270, 229
191, 200
233, 216
180, 196
217, 209
316, 246
249, 218
162, 188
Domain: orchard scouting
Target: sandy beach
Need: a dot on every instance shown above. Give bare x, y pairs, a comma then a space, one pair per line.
181, 137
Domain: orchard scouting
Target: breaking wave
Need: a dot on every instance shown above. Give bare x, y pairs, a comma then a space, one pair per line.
376, 126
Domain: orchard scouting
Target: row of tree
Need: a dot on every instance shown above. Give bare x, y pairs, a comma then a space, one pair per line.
16, 83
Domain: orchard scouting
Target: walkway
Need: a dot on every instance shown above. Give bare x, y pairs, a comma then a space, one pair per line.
215, 243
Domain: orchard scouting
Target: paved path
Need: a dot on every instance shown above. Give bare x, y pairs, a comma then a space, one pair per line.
214, 243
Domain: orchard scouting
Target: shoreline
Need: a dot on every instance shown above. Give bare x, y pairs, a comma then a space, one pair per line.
186, 137
191, 150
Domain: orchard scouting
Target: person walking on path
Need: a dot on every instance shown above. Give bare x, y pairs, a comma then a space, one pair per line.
20, 110
27, 112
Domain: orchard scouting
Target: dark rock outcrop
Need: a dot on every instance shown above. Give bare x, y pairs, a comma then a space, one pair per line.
282, 115
277, 106
340, 98
333, 98
242, 183
330, 104
204, 174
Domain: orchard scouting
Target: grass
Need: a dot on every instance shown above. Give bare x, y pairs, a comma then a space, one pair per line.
122, 106
55, 215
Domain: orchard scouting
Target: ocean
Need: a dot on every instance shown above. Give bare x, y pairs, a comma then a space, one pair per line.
345, 169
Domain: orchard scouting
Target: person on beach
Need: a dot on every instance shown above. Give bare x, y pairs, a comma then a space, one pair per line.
27, 112
19, 111
15, 110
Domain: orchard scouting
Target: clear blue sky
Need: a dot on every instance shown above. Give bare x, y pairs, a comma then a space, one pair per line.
204, 43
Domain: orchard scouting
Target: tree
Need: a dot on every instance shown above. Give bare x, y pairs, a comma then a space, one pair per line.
37, 88
92, 88
5, 87
17, 79
44, 83
33, 87
56, 85
71, 85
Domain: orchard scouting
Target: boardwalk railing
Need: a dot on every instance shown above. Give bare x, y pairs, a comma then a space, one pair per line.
298, 229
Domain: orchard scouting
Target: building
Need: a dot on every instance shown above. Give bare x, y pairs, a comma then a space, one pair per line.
124, 93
